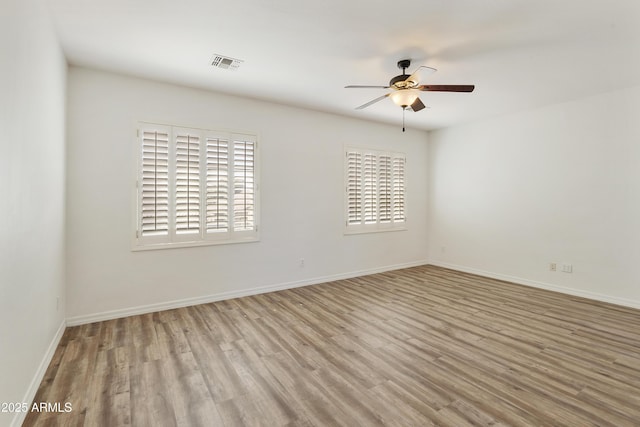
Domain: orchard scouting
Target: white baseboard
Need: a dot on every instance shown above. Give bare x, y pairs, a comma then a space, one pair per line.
19, 417
541, 285
150, 308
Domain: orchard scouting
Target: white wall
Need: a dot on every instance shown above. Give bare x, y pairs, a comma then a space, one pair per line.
32, 158
301, 195
511, 194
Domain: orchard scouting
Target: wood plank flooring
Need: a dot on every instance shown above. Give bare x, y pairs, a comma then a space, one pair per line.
415, 347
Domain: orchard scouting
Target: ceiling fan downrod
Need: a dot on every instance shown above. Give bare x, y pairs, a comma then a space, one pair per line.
404, 64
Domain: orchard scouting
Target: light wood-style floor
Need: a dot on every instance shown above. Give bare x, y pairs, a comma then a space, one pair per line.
416, 347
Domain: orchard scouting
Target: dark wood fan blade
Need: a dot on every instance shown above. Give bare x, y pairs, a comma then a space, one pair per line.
365, 87
447, 88
380, 98
417, 105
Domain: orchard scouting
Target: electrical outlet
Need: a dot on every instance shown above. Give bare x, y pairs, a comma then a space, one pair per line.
553, 266
301, 263
567, 268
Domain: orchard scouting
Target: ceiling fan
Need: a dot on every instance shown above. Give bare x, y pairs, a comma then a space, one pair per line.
405, 88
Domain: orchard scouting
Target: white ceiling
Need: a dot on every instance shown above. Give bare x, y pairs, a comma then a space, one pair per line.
520, 54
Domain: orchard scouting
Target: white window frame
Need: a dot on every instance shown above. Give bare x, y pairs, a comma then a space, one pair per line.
364, 214
202, 237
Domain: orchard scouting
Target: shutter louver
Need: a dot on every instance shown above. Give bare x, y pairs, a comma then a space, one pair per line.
398, 189
187, 204
243, 186
354, 188
385, 189
217, 194
154, 192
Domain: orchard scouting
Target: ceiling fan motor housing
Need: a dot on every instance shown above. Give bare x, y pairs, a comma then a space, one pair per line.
396, 82
396, 79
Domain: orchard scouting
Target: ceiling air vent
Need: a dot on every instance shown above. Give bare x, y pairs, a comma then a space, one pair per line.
225, 62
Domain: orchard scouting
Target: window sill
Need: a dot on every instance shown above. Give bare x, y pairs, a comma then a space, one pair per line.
177, 245
348, 232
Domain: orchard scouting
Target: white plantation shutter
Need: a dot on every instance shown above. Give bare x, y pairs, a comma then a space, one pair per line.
187, 182
385, 188
354, 187
153, 183
369, 176
398, 189
375, 190
217, 193
243, 185
195, 187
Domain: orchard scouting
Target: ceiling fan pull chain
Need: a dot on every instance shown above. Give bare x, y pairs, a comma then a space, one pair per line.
403, 110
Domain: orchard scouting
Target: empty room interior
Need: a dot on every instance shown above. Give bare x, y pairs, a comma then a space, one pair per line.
343, 213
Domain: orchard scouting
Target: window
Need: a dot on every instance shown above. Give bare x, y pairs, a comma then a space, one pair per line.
195, 187
375, 190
